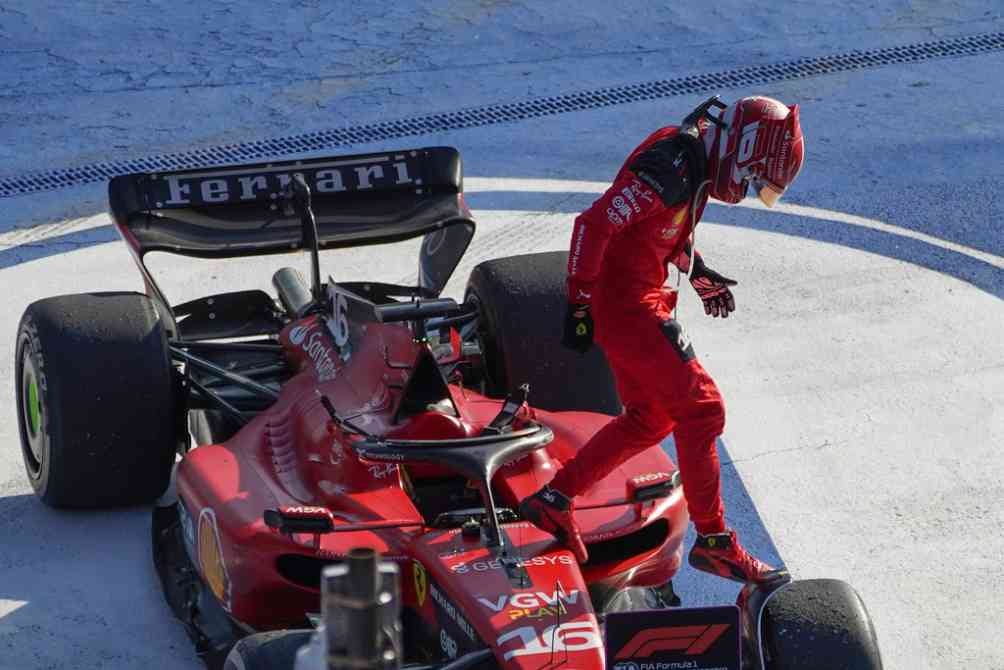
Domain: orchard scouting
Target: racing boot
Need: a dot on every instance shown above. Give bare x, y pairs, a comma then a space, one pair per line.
551, 511
722, 555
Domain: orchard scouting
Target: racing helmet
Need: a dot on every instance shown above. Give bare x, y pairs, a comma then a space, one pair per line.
759, 145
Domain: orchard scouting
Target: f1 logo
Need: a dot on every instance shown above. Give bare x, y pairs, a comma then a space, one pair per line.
691, 640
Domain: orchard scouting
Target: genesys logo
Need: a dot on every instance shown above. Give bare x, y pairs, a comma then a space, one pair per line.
310, 338
495, 564
690, 640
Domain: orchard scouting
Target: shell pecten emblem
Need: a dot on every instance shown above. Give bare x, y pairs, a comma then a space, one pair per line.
211, 563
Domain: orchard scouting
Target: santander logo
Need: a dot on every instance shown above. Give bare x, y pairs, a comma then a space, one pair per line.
298, 334
312, 341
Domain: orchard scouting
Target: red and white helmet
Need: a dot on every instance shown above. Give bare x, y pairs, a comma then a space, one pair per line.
760, 145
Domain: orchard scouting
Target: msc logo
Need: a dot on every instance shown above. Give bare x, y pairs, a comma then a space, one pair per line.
691, 640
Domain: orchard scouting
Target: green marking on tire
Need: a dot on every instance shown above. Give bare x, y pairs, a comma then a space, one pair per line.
34, 411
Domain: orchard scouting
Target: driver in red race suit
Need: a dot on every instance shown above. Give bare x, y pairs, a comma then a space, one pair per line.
617, 271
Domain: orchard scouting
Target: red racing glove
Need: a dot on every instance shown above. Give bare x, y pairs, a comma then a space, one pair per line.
713, 289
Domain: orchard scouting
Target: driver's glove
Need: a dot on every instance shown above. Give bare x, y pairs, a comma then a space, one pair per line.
713, 289
578, 332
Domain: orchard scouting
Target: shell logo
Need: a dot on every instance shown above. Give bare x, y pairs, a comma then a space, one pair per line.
211, 563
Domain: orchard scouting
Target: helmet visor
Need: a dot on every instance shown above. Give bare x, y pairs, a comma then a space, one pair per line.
768, 193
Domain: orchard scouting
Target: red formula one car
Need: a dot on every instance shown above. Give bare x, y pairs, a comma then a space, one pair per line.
360, 414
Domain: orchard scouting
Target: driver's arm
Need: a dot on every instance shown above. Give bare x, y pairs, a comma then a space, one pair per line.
626, 202
683, 260
657, 178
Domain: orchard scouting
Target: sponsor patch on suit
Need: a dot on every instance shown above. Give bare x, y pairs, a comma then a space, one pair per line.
678, 339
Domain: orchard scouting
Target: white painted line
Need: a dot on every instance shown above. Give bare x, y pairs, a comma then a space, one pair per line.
492, 184
874, 224
40, 233
482, 185
8, 606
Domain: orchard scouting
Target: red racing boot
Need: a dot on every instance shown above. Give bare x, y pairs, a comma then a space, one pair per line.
551, 511
722, 555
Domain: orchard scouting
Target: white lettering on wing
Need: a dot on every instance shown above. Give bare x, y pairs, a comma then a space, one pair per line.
178, 192
222, 186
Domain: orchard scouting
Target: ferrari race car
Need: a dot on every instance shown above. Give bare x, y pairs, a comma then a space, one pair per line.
278, 434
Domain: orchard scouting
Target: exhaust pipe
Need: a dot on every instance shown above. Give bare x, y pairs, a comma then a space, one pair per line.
293, 293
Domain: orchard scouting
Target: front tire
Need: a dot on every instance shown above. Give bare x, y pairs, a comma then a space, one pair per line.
817, 624
95, 400
273, 650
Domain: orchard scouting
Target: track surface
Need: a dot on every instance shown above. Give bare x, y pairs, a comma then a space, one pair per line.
489, 115
864, 372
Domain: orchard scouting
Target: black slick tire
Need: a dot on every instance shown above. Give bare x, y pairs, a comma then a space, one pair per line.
521, 302
274, 650
95, 400
817, 624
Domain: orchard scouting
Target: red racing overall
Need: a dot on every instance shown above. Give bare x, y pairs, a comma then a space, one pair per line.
618, 265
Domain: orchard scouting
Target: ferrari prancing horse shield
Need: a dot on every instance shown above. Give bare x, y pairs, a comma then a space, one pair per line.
421, 583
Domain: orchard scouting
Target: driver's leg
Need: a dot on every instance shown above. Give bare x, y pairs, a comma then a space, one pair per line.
642, 424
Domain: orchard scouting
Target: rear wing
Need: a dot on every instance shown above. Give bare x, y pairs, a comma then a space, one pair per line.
240, 210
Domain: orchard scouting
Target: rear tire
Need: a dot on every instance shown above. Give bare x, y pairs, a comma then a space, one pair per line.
95, 400
521, 302
274, 650
817, 624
